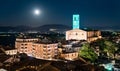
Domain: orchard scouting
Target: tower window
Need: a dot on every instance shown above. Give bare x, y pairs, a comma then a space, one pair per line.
76, 33
75, 18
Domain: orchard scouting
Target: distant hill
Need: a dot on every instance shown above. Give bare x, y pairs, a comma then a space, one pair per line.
53, 27
14, 29
43, 28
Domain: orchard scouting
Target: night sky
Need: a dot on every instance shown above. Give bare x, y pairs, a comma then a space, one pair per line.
102, 14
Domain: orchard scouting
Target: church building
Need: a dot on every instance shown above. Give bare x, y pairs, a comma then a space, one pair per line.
78, 34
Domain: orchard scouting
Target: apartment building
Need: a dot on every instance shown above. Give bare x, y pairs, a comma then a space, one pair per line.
44, 50
24, 45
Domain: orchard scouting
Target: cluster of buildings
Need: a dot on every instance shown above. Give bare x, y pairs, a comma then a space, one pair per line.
46, 49
41, 49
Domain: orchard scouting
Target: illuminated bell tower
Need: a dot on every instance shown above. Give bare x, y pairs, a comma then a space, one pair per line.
76, 21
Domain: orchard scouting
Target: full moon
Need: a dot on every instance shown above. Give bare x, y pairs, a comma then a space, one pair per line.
37, 12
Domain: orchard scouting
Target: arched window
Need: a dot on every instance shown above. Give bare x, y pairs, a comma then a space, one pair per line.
76, 33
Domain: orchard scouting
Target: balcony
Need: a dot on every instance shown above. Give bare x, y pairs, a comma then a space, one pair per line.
44, 53
49, 55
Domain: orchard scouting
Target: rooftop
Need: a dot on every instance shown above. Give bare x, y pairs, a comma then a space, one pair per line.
64, 52
46, 41
49, 42
26, 37
77, 45
43, 65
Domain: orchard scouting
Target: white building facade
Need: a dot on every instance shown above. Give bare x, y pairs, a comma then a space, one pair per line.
76, 34
11, 52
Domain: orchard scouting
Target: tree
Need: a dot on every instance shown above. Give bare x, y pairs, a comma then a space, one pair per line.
107, 48
110, 49
87, 52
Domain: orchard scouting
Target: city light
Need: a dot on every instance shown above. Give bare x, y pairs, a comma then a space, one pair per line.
109, 67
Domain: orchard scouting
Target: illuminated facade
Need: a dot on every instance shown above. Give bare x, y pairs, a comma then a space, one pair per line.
24, 45
35, 48
11, 52
44, 50
70, 55
76, 34
93, 35
76, 21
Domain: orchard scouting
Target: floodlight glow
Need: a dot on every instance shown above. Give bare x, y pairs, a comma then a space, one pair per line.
109, 67
76, 21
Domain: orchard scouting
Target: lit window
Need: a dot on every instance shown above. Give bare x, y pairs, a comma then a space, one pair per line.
25, 44
22, 47
33, 48
48, 54
44, 50
48, 57
48, 50
44, 46
22, 44
72, 54
48, 46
